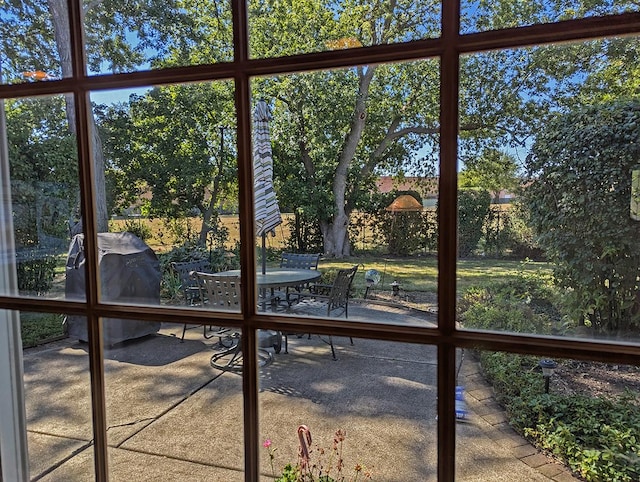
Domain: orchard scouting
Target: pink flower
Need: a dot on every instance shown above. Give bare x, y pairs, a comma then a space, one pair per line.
267, 443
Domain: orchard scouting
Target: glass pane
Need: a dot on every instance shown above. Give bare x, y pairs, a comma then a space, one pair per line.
171, 197
44, 193
363, 411
579, 413
133, 36
546, 241
57, 400
165, 401
480, 15
345, 188
33, 39
284, 28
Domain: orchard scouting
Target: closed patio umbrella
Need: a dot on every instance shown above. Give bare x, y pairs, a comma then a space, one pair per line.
267, 211
403, 204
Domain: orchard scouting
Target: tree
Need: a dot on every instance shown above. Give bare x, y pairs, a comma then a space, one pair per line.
43, 163
336, 130
175, 150
579, 194
493, 170
345, 126
35, 36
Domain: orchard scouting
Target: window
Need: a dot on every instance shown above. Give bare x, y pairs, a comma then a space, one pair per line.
218, 60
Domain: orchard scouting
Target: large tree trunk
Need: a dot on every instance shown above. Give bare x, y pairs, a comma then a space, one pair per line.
336, 233
60, 17
336, 237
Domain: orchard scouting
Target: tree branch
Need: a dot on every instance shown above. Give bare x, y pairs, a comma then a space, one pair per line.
307, 162
89, 5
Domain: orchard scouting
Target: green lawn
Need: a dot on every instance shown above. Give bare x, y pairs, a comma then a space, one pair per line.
420, 274
37, 328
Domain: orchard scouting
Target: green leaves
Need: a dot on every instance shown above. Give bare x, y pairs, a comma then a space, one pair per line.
596, 437
473, 208
579, 195
174, 149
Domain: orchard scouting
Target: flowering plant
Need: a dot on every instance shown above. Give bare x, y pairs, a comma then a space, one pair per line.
328, 466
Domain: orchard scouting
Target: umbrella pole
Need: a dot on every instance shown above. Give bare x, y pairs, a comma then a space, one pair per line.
264, 253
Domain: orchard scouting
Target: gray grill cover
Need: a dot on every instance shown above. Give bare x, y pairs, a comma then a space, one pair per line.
129, 272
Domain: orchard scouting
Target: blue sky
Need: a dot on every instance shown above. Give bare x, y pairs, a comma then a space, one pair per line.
113, 96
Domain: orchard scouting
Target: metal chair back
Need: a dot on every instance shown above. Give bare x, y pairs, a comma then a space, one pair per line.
219, 292
299, 261
188, 283
339, 294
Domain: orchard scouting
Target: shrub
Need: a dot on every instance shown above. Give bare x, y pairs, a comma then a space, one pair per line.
521, 238
305, 235
596, 436
402, 232
506, 233
473, 206
219, 260
579, 193
137, 227
526, 304
38, 328
35, 274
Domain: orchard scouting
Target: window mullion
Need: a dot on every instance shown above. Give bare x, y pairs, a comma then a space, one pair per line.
447, 236
87, 175
247, 243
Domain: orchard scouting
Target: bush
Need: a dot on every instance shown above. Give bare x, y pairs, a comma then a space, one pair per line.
597, 437
579, 193
219, 260
521, 238
407, 233
305, 235
506, 232
402, 232
35, 275
473, 207
137, 227
527, 304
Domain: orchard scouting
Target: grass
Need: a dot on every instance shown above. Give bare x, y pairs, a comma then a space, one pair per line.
38, 328
421, 273
164, 237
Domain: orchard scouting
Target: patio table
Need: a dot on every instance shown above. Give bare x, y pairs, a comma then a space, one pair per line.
279, 278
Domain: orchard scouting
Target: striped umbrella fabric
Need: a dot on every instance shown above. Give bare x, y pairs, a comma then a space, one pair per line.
267, 211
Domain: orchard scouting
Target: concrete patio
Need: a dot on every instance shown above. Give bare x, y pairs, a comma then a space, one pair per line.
171, 416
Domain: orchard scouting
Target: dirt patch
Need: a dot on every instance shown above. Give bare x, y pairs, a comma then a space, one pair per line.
595, 379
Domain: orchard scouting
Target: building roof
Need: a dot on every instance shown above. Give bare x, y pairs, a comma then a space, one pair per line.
425, 186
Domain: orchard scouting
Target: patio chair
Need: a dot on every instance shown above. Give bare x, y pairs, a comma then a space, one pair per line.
218, 292
222, 292
326, 299
189, 284
297, 261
